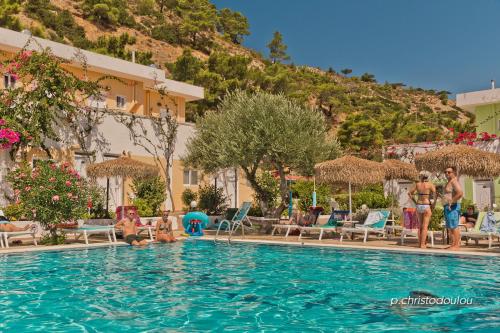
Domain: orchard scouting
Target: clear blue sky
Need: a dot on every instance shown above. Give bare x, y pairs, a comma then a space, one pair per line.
449, 45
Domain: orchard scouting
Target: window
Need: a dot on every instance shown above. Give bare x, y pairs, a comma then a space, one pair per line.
190, 177
9, 81
120, 102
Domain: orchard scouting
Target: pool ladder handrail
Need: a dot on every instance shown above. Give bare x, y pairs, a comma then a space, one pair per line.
232, 227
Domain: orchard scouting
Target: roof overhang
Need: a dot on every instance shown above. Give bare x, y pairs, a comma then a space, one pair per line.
188, 91
13, 41
470, 100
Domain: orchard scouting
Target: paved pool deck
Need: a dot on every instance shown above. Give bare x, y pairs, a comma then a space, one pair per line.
384, 245
410, 246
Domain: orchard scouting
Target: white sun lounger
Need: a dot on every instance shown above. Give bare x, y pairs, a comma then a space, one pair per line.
287, 227
88, 230
476, 234
374, 224
4, 236
414, 233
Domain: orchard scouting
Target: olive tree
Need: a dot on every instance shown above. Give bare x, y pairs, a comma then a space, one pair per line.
259, 131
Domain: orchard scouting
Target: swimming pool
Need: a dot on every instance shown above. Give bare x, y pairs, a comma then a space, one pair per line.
200, 286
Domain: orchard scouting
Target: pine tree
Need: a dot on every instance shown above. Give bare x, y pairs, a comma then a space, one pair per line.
198, 16
346, 71
277, 49
233, 25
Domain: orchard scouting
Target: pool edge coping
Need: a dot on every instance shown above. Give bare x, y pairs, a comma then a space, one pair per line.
427, 251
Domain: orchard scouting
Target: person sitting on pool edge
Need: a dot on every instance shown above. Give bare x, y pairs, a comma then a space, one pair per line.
469, 218
164, 232
130, 230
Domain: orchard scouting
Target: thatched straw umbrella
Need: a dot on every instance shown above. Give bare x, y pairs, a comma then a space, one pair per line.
396, 169
467, 160
350, 170
124, 167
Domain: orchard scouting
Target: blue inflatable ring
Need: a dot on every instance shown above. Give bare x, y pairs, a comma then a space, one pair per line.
195, 216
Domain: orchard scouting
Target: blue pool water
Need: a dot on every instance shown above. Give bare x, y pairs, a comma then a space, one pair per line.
200, 286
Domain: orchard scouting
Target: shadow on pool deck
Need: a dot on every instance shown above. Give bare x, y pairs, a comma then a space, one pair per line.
372, 244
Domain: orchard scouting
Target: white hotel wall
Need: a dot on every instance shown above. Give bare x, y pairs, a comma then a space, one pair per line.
116, 140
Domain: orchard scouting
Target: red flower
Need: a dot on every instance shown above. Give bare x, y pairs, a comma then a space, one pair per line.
68, 183
55, 198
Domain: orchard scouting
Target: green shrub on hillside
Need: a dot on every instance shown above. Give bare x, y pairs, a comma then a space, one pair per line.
108, 12
8, 8
166, 32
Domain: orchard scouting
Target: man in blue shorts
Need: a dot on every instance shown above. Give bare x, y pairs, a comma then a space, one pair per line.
452, 195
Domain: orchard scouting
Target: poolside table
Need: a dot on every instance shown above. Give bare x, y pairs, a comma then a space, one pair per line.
87, 230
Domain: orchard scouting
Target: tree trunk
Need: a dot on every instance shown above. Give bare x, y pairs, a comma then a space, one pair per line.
284, 191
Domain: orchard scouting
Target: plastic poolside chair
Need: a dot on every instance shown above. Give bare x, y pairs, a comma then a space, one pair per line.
374, 224
481, 231
239, 219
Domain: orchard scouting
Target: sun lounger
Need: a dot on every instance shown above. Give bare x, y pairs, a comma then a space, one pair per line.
287, 227
336, 219
88, 230
374, 224
314, 212
479, 232
4, 236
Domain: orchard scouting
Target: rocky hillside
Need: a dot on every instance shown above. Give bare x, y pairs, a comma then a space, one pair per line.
197, 43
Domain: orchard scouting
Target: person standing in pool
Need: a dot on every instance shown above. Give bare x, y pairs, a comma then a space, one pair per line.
451, 202
426, 192
164, 232
130, 230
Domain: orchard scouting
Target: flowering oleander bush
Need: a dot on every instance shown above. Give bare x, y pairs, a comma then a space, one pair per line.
8, 136
51, 193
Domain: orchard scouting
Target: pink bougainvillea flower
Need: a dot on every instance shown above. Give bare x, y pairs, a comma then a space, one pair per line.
470, 143
55, 198
53, 166
2, 122
27, 188
52, 179
68, 183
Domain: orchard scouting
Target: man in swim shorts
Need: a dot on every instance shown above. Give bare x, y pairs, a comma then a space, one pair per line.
452, 195
130, 230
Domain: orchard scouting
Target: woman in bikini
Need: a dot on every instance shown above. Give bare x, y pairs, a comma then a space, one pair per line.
425, 205
164, 232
